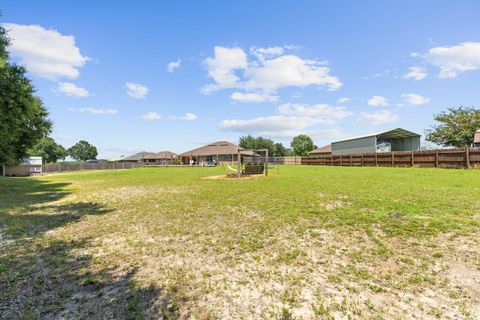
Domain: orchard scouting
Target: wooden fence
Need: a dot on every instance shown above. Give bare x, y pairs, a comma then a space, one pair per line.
60, 167
285, 160
444, 158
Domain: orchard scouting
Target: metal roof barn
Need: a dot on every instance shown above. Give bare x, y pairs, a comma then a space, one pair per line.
385, 141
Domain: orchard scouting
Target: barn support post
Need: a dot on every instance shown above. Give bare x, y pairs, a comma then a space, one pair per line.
239, 165
467, 157
266, 164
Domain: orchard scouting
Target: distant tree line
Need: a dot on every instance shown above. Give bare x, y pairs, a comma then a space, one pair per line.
300, 146
51, 151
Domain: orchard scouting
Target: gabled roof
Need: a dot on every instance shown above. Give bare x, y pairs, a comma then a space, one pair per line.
150, 155
397, 133
214, 148
325, 149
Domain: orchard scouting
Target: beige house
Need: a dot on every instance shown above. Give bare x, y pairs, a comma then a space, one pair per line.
152, 158
216, 152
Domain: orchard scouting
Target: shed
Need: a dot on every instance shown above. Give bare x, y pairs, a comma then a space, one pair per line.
476, 139
322, 151
385, 141
31, 166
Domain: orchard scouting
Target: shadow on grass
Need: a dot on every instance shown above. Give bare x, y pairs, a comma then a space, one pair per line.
43, 277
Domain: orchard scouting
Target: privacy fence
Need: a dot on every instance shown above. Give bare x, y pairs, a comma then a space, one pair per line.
446, 158
60, 167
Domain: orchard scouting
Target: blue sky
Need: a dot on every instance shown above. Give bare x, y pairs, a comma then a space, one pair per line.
137, 75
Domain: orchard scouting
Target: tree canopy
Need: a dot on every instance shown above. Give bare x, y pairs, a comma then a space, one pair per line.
455, 127
83, 151
274, 149
23, 118
48, 149
302, 145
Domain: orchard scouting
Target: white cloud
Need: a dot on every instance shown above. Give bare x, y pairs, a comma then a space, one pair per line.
377, 101
269, 70
415, 99
253, 97
376, 118
70, 89
264, 53
136, 90
277, 126
343, 100
320, 111
222, 67
416, 73
454, 60
45, 52
327, 134
189, 116
94, 110
172, 66
151, 116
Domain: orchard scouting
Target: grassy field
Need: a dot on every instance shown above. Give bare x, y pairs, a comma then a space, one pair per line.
307, 242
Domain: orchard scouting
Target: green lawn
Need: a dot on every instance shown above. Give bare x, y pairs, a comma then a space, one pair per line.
307, 242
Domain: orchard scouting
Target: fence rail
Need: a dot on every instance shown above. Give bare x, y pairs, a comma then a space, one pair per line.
60, 167
444, 158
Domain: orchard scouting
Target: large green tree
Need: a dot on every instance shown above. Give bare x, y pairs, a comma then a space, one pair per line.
302, 145
23, 118
48, 149
83, 151
455, 127
250, 142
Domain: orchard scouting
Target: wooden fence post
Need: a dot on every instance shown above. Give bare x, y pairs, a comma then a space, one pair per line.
351, 162
341, 162
467, 157
393, 159
436, 158
361, 161
413, 157
376, 160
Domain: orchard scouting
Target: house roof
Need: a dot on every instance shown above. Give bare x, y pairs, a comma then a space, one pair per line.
325, 149
214, 148
150, 155
397, 133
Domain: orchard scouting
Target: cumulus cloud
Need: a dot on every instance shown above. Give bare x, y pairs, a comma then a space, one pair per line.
343, 100
377, 101
136, 90
151, 116
253, 97
45, 52
455, 60
319, 111
172, 66
416, 73
94, 110
376, 118
189, 117
292, 119
415, 99
267, 70
72, 90
278, 125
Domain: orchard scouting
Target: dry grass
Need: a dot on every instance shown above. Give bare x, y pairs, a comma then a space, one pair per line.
306, 243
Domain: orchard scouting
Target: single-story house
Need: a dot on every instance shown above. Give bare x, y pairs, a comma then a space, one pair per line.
32, 166
322, 151
220, 152
151, 158
385, 141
